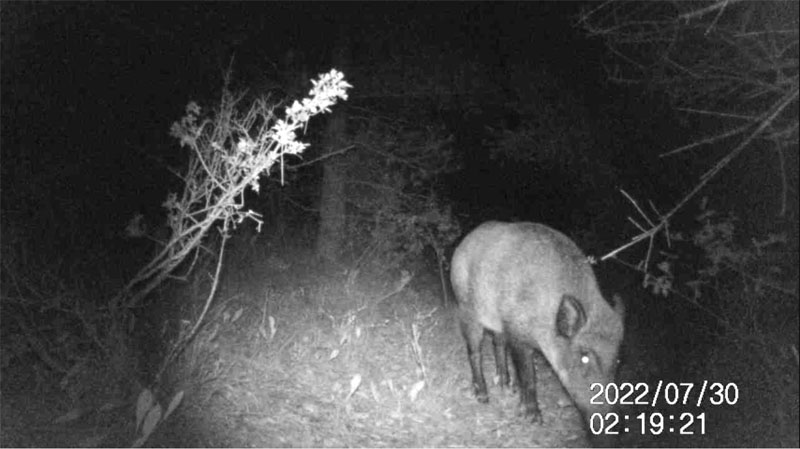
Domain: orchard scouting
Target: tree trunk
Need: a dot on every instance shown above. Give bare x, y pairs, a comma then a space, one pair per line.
334, 177
332, 201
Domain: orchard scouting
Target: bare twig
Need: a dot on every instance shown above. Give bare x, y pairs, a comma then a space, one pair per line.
401, 283
784, 180
321, 158
417, 350
706, 177
718, 5
179, 346
707, 140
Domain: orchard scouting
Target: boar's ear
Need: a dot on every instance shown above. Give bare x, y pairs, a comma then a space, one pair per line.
619, 305
570, 317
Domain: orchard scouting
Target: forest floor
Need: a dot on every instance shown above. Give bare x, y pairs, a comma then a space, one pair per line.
312, 360
339, 366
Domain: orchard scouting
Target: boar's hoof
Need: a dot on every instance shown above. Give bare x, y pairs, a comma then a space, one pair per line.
480, 392
532, 413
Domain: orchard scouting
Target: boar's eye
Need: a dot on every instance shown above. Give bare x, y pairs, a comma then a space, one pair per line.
585, 358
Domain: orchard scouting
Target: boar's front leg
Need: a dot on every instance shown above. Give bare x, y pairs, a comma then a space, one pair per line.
522, 355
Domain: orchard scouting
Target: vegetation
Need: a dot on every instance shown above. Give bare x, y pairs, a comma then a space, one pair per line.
733, 66
292, 294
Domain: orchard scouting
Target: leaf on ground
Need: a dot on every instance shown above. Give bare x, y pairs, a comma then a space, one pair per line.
415, 389
150, 422
355, 382
176, 400
143, 404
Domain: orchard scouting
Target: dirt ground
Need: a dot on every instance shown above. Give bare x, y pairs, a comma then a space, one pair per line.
324, 361
341, 369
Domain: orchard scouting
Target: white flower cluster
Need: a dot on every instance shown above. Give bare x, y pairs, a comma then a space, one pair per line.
327, 90
186, 130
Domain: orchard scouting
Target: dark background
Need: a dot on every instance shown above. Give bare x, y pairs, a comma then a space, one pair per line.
89, 91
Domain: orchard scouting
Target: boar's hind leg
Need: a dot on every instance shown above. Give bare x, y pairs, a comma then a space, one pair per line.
473, 335
500, 358
526, 378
